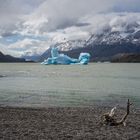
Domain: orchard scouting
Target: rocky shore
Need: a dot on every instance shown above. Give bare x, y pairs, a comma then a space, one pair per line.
73, 123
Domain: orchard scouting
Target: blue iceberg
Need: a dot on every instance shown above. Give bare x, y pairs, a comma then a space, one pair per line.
57, 58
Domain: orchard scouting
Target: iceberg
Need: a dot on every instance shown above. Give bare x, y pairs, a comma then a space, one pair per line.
63, 59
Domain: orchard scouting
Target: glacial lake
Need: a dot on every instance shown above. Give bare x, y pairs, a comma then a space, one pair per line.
36, 85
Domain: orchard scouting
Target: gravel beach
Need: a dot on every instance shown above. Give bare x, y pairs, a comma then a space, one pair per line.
67, 123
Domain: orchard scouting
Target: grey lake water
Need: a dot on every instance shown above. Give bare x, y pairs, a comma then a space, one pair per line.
35, 85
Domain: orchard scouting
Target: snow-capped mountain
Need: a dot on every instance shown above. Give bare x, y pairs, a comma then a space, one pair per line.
103, 46
110, 38
70, 45
65, 46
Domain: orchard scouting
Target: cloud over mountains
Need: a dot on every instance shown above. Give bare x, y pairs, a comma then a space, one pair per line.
31, 26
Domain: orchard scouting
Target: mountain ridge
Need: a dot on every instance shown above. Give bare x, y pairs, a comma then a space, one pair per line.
102, 47
9, 58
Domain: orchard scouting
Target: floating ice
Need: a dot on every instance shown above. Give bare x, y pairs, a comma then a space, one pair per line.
57, 58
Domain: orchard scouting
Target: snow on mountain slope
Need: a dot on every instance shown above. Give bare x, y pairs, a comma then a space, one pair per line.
98, 34
103, 46
71, 44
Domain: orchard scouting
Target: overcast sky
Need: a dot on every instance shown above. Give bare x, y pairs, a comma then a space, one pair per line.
31, 26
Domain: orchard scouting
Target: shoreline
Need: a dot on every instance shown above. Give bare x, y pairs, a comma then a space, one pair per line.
65, 123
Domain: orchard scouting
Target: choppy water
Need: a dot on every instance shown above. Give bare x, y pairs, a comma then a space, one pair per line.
68, 85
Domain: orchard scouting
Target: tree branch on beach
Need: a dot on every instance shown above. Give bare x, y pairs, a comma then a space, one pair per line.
108, 118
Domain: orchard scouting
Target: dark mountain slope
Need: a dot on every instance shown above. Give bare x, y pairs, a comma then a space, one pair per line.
8, 58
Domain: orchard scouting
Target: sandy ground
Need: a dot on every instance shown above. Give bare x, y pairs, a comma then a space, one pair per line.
65, 124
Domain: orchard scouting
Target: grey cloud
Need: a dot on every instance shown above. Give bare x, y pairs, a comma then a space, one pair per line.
11, 12
7, 34
64, 13
60, 13
82, 24
127, 6
65, 18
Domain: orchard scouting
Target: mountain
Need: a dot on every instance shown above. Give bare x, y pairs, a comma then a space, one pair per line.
8, 58
65, 47
103, 46
32, 58
135, 58
106, 45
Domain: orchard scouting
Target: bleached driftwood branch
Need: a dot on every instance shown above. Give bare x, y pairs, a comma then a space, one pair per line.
108, 118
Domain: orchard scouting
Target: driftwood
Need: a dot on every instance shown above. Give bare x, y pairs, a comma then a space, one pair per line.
108, 118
